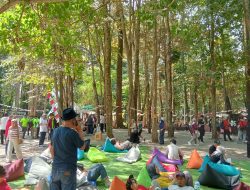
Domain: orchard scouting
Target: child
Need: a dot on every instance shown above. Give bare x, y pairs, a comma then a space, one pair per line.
181, 183
3, 184
132, 184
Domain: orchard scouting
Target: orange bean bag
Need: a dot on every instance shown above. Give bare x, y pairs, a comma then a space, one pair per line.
117, 184
195, 160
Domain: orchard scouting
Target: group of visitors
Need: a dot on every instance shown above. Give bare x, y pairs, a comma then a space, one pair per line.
90, 123
13, 131
66, 139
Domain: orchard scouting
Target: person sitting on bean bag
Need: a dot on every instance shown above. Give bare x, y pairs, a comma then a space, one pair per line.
132, 184
181, 182
219, 156
159, 179
213, 147
126, 145
3, 184
93, 173
173, 152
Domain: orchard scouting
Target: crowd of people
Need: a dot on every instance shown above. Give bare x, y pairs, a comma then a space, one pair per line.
66, 139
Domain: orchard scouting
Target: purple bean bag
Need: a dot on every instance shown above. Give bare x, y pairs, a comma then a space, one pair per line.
162, 158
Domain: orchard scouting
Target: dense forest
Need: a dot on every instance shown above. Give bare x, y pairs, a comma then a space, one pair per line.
168, 58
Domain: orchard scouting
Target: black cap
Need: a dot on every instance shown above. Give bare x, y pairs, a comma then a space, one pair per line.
68, 114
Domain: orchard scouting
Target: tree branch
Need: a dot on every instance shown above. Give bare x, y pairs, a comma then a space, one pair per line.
12, 3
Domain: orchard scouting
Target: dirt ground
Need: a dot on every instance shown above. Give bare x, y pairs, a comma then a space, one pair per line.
233, 149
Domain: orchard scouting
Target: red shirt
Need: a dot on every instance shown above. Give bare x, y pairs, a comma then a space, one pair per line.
226, 124
8, 124
140, 187
4, 185
242, 124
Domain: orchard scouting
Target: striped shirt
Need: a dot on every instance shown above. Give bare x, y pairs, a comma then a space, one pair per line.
13, 133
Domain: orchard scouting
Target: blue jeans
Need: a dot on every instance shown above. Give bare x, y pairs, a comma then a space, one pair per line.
96, 171
63, 179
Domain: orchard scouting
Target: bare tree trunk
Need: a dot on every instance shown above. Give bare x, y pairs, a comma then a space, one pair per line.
61, 90
195, 100
99, 47
227, 103
247, 54
168, 73
128, 50
136, 58
107, 70
213, 70
119, 120
97, 103
154, 87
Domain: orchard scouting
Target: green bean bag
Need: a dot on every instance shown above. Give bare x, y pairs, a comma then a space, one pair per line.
221, 168
212, 178
95, 155
109, 147
144, 178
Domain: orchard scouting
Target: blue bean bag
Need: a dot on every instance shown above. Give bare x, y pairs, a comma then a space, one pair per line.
213, 178
220, 168
80, 154
162, 158
109, 147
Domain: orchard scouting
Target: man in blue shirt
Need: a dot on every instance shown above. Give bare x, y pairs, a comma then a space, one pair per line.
65, 141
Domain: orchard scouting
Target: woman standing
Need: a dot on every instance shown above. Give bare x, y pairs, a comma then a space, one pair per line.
14, 138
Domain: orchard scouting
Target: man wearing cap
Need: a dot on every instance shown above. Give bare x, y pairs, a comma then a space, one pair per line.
65, 141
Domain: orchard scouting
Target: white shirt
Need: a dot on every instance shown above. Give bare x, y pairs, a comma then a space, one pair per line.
3, 123
173, 152
102, 119
176, 187
43, 125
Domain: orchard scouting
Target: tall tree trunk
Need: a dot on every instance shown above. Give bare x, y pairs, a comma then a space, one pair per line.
246, 4
154, 86
195, 100
99, 48
107, 70
128, 49
227, 103
61, 91
136, 58
168, 73
97, 103
213, 70
146, 105
119, 120
17, 94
